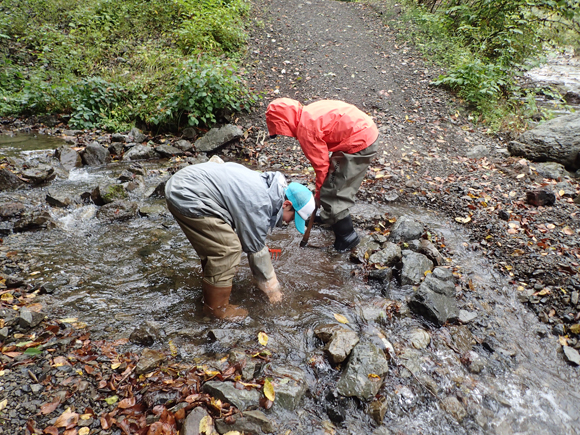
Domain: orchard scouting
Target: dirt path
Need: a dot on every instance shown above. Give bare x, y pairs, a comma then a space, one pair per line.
324, 49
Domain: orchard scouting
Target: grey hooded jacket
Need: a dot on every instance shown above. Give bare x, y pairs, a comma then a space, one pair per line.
249, 201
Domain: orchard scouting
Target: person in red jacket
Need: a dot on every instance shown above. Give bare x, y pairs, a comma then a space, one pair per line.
325, 127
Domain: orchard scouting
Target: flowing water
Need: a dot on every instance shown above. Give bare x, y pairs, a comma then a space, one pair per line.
114, 276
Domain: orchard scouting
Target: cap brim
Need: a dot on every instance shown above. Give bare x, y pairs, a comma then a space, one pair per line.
299, 222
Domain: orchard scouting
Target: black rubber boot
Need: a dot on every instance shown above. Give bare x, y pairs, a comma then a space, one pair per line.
346, 236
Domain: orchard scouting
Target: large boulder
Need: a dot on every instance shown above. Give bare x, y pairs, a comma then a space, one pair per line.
140, 152
68, 158
9, 180
95, 155
218, 137
557, 140
118, 210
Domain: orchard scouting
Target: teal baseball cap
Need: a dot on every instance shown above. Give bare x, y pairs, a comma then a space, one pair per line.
303, 202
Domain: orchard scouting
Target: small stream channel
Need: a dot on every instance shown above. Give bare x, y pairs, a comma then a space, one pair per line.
114, 276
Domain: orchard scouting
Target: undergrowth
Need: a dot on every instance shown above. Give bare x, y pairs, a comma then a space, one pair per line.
110, 64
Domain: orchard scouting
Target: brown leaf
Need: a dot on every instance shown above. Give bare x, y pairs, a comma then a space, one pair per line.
47, 408
127, 403
72, 431
51, 430
67, 419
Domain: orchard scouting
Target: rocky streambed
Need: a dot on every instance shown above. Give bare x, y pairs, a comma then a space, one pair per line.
103, 332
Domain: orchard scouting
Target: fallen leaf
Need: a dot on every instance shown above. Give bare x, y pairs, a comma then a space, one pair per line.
84, 431
50, 430
7, 297
263, 338
72, 431
340, 318
68, 320
550, 226
563, 340
172, 348
575, 329
463, 220
3, 404
67, 419
47, 408
269, 390
115, 365
374, 376
129, 402
568, 231
112, 400
206, 425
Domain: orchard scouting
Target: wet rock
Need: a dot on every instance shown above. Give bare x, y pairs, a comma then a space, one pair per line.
433, 306
290, 386
453, 406
445, 288
378, 409
137, 169
390, 254
192, 421
95, 155
217, 137
430, 251
364, 372
477, 152
118, 137
540, 198
116, 149
126, 175
189, 133
340, 345
414, 267
152, 210
467, 316
6, 228
28, 319
9, 180
571, 355
159, 191
366, 245
249, 365
118, 210
146, 334
565, 189
140, 152
420, 338
14, 281
58, 200
383, 276
11, 209
554, 141
156, 397
110, 193
4, 333
225, 391
168, 151
410, 358
227, 337
68, 158
462, 338
551, 170
39, 175
183, 145
382, 431
337, 407
34, 220
442, 273
473, 362
251, 422
148, 360
405, 229
136, 135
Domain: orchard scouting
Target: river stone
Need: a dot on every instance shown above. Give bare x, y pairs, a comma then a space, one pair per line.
9, 180
146, 334
452, 406
251, 422
326, 331
382, 430
540, 197
41, 174
68, 158
168, 151
366, 245
557, 140
4, 333
433, 306
571, 355
118, 137
34, 220
477, 152
467, 316
228, 337
11, 209
136, 135
387, 256
383, 276
183, 145
473, 362
290, 386
378, 409
420, 338
462, 338
414, 267
428, 249
28, 319
95, 154
226, 392
140, 152
551, 170
189, 133
443, 274
565, 189
118, 210
364, 372
116, 148
341, 344
405, 229
218, 137
248, 364
148, 360
442, 287
410, 358
192, 421
58, 200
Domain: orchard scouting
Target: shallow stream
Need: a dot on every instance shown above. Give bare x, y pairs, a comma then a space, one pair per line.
114, 276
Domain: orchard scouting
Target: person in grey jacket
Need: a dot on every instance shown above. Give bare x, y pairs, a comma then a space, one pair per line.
226, 208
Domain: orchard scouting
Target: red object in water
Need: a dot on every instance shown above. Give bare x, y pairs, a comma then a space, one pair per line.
275, 253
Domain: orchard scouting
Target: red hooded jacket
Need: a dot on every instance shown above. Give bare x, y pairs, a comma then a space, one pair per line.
322, 127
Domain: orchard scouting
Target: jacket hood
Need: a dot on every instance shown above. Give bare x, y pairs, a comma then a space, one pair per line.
283, 116
276, 187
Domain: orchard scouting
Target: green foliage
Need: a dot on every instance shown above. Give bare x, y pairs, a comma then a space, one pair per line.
212, 25
204, 88
486, 44
109, 63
